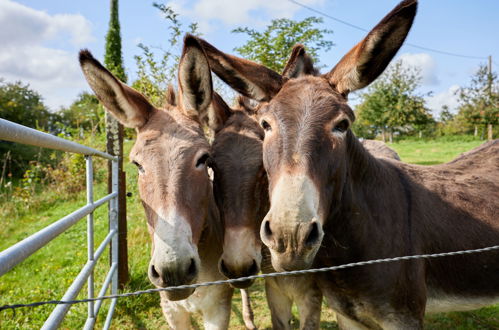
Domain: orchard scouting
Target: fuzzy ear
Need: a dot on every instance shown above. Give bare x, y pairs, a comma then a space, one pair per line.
194, 79
369, 58
299, 64
218, 113
127, 105
248, 78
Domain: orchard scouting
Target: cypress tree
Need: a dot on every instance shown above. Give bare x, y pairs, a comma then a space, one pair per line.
113, 58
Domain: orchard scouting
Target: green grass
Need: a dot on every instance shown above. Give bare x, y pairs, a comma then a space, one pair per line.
424, 152
47, 274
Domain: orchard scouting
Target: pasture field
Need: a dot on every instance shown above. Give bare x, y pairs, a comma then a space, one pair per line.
47, 274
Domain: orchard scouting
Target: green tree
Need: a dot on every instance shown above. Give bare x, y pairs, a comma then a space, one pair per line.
155, 70
479, 102
85, 114
273, 46
392, 102
21, 104
113, 60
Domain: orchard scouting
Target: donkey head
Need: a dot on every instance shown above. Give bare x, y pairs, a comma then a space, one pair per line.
240, 182
170, 153
306, 122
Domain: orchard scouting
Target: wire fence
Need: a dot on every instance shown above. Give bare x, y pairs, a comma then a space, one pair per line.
241, 279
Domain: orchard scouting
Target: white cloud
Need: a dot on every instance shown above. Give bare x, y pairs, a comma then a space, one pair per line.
425, 63
236, 13
52, 72
448, 97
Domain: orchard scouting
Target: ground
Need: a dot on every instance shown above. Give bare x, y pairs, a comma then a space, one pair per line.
47, 274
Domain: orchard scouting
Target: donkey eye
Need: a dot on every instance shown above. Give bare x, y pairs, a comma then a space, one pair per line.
203, 160
265, 125
141, 169
342, 126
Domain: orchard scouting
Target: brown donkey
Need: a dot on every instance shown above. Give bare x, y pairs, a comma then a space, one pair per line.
333, 203
171, 153
241, 190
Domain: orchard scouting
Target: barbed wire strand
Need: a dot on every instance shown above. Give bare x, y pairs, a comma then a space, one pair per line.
241, 279
365, 30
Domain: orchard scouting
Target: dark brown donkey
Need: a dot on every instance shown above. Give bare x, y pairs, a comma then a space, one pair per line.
171, 152
333, 203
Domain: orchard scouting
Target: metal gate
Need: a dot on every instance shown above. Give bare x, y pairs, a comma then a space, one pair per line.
18, 252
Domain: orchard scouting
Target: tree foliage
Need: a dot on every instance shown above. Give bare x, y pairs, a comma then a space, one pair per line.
479, 102
22, 105
113, 60
273, 46
156, 71
84, 114
392, 101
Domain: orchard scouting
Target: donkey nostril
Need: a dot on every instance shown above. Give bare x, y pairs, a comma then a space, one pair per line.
192, 270
268, 231
224, 269
154, 273
253, 269
313, 235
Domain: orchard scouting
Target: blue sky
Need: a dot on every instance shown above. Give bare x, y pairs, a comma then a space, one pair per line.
40, 39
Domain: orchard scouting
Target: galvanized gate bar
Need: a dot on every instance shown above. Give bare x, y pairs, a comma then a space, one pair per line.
90, 233
90, 322
10, 131
15, 254
60, 311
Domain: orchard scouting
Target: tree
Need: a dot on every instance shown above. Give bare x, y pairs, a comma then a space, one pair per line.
392, 103
273, 46
22, 105
479, 102
113, 60
85, 114
156, 71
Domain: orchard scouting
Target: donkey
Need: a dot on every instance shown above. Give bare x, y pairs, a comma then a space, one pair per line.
171, 153
334, 203
241, 191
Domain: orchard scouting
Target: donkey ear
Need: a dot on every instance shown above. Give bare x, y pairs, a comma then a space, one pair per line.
248, 78
194, 79
299, 63
369, 58
127, 105
218, 113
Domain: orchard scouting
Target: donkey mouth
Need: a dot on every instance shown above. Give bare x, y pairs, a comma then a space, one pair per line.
179, 294
242, 284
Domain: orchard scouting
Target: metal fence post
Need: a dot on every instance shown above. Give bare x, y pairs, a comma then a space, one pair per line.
90, 233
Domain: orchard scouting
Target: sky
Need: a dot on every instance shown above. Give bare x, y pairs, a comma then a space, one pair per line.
40, 40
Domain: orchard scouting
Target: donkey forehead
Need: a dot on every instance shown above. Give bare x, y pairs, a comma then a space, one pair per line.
311, 96
169, 131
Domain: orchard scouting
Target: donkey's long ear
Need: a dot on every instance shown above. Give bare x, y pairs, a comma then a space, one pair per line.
218, 113
367, 60
194, 79
299, 63
126, 104
248, 78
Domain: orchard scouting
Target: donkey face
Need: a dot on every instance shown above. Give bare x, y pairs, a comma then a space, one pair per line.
241, 187
306, 122
171, 153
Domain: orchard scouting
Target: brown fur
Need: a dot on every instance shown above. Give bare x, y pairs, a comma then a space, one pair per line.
171, 153
367, 207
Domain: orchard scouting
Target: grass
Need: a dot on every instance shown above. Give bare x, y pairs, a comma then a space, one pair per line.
47, 274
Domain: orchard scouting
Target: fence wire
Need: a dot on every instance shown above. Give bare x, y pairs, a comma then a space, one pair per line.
241, 279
